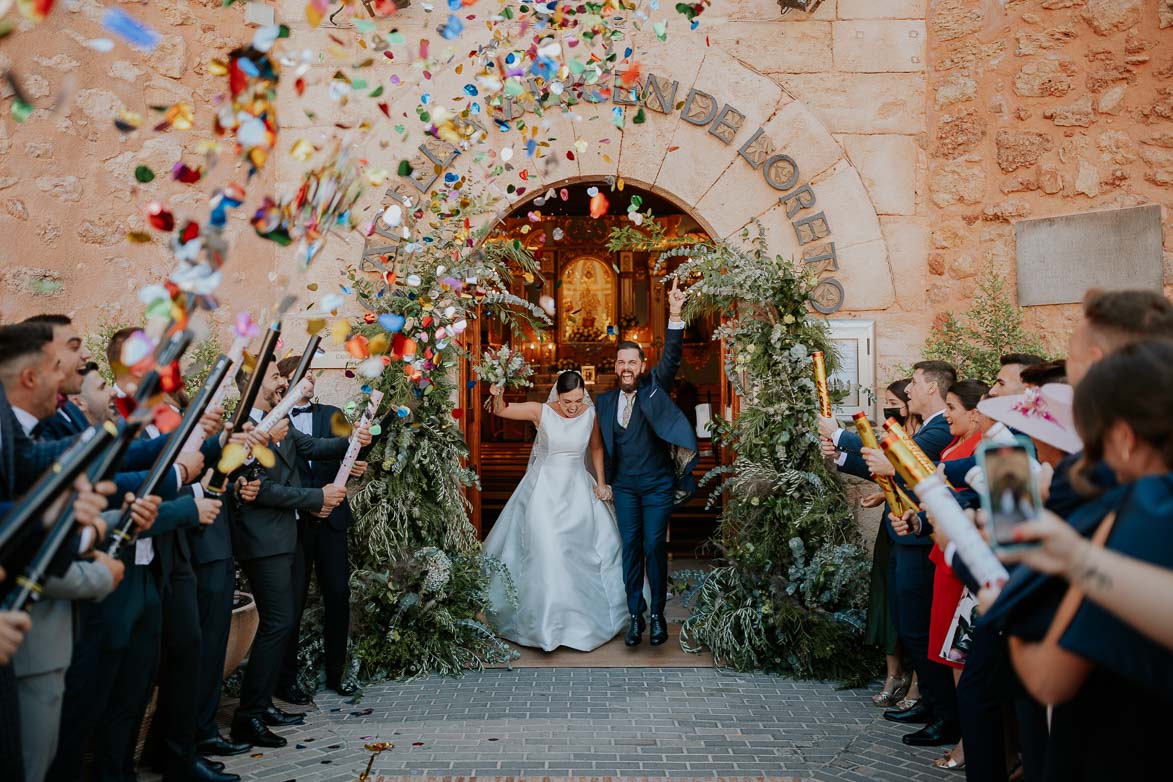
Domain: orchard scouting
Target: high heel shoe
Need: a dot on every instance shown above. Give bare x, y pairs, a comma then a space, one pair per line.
891, 695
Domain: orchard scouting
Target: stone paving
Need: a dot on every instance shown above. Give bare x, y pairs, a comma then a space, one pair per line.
625, 722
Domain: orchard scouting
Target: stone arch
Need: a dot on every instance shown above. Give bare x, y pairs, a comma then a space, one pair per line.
762, 156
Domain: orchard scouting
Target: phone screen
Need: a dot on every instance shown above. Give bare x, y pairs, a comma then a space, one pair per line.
1012, 494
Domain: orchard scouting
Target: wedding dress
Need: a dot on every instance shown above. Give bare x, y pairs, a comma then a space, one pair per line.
561, 545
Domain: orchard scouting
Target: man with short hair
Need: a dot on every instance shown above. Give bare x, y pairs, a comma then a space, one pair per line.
1009, 380
31, 372
321, 547
68, 419
265, 540
910, 571
96, 398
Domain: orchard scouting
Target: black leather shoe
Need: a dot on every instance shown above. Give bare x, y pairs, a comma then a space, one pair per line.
214, 764
917, 715
935, 734
659, 632
342, 688
295, 695
222, 746
253, 730
204, 771
634, 631
280, 719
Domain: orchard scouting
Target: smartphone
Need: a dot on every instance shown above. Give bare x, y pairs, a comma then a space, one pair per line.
1011, 496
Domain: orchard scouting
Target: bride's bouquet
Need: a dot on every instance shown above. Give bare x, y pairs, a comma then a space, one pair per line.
505, 367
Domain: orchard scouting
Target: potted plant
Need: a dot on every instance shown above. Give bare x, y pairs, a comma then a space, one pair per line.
245, 621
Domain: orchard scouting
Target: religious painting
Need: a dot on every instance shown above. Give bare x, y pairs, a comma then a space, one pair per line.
587, 301
588, 374
625, 262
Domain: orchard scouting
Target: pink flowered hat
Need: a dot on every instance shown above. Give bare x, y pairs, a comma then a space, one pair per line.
1042, 413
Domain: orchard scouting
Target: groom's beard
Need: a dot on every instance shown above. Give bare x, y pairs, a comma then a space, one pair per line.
628, 381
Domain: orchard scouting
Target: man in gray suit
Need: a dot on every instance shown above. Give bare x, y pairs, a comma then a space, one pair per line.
264, 539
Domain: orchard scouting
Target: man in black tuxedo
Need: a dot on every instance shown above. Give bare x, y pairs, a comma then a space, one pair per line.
265, 541
650, 450
321, 546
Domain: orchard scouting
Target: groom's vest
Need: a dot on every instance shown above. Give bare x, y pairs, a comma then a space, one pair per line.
640, 456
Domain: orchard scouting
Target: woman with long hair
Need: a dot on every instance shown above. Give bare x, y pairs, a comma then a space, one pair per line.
900, 690
1109, 687
967, 426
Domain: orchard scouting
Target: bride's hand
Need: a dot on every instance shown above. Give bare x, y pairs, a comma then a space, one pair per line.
603, 492
496, 390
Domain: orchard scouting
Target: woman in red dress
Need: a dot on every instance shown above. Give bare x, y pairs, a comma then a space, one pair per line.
966, 425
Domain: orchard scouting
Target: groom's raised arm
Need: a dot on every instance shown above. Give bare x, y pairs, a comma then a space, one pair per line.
665, 370
670, 357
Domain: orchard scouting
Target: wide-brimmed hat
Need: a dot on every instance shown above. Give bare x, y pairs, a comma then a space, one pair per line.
1042, 413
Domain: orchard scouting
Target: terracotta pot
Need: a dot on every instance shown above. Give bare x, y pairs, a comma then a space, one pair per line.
245, 621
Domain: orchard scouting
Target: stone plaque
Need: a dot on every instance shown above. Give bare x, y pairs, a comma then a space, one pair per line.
1059, 258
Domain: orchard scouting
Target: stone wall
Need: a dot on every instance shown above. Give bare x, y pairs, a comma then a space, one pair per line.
928, 129
1041, 108
67, 183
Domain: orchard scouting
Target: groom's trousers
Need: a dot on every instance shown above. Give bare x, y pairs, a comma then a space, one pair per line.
642, 515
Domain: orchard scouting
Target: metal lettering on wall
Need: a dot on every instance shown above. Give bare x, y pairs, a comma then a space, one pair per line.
700, 108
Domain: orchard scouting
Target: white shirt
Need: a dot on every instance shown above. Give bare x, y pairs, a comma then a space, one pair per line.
28, 422
675, 325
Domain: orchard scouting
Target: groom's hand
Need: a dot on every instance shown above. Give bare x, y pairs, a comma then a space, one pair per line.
603, 492
675, 300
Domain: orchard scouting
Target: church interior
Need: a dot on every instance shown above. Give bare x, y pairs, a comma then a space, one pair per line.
600, 299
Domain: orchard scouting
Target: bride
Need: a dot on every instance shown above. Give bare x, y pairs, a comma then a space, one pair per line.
556, 534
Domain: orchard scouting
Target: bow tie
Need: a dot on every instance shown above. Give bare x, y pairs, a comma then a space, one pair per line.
301, 410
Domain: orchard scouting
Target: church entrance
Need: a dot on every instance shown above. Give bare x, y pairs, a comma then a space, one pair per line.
599, 298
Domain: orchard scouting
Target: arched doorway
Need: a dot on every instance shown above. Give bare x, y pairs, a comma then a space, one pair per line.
600, 298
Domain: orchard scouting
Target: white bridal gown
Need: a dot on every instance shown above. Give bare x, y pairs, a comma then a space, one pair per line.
561, 546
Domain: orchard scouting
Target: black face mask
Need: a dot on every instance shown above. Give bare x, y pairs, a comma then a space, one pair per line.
894, 412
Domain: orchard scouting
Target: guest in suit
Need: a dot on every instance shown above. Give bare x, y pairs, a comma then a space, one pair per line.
650, 451
67, 343
215, 573
265, 541
321, 546
115, 664
910, 576
96, 398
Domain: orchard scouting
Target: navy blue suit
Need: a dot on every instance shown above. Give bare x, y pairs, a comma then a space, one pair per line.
642, 470
68, 421
910, 583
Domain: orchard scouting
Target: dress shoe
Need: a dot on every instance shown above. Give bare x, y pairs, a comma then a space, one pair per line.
342, 688
221, 746
215, 765
634, 630
203, 771
253, 730
936, 734
280, 719
295, 695
659, 632
917, 715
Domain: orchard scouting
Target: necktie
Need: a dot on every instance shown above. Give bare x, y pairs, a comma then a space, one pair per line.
627, 410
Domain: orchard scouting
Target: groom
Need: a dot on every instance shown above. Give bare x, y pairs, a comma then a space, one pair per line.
650, 452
